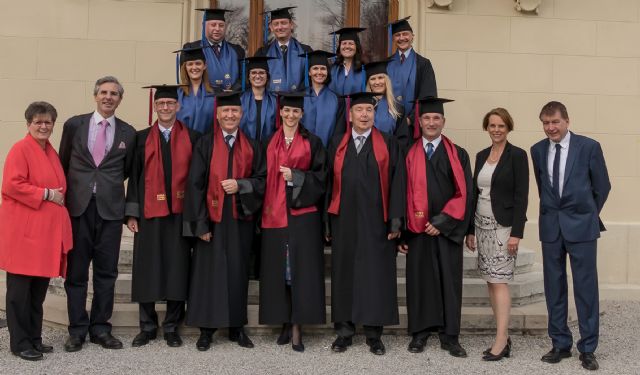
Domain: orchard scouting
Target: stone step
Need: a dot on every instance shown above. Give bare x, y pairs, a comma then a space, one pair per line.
526, 288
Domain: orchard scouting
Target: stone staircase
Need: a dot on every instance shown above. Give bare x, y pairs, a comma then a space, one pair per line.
527, 293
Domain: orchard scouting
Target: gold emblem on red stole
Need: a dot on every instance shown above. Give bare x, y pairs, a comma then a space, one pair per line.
214, 203
161, 197
180, 195
418, 214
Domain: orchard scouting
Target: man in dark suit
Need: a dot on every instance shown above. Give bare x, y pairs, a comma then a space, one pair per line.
96, 151
287, 70
411, 74
573, 185
222, 57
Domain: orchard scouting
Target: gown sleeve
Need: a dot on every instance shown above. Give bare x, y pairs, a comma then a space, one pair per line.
195, 215
309, 186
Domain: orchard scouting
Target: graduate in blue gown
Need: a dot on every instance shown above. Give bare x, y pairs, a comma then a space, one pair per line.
259, 106
389, 112
222, 56
287, 70
196, 98
347, 76
322, 107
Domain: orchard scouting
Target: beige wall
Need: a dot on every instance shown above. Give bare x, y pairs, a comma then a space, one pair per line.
585, 53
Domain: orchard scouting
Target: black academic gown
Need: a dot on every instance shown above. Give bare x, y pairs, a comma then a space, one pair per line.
434, 264
219, 268
161, 256
303, 237
363, 261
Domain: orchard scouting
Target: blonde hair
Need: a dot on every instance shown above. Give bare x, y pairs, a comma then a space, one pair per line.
185, 80
388, 94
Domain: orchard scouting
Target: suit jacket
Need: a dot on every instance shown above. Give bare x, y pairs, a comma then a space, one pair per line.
575, 215
509, 188
81, 170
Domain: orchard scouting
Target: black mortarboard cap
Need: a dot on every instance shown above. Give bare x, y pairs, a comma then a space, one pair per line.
362, 98
431, 104
348, 33
280, 13
292, 99
376, 67
257, 62
214, 14
165, 91
190, 52
400, 25
318, 57
228, 98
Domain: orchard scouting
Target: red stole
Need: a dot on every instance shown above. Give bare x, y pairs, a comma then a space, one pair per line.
297, 156
155, 195
380, 152
242, 164
417, 196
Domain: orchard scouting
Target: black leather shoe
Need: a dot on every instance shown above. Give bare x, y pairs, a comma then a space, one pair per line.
204, 342
555, 355
143, 338
173, 339
506, 352
417, 345
488, 350
42, 348
589, 361
106, 340
376, 346
73, 344
285, 335
241, 338
340, 344
454, 349
298, 347
29, 355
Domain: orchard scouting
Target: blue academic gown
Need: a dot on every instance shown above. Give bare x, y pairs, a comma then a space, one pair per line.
196, 111
249, 115
224, 71
291, 77
320, 113
354, 81
403, 79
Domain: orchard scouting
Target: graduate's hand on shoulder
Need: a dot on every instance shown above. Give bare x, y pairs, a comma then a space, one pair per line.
393, 235
431, 230
471, 242
230, 186
132, 224
403, 248
206, 237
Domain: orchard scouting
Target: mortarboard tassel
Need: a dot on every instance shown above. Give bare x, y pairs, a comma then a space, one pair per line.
244, 74
177, 68
266, 29
306, 66
348, 112
278, 119
364, 79
416, 121
390, 42
150, 106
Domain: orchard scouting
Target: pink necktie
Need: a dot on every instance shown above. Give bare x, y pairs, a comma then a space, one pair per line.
100, 145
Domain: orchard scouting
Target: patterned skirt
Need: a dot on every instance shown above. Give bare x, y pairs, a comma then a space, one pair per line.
495, 264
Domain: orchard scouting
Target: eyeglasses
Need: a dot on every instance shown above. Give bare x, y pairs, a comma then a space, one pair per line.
166, 104
48, 124
257, 73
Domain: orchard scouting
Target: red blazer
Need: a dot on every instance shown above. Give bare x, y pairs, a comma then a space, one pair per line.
35, 235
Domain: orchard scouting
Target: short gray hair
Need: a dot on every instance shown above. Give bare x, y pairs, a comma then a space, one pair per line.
108, 79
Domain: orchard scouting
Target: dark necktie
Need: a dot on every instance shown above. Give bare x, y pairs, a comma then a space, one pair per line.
429, 150
556, 170
402, 58
166, 133
229, 140
216, 49
283, 48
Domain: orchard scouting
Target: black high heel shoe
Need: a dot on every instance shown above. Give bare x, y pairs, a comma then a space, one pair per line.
285, 335
298, 347
506, 352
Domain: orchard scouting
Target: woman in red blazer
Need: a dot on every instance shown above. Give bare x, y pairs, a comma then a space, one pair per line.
35, 229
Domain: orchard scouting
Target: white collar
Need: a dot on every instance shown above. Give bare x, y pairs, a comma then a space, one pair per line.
211, 43
97, 118
564, 142
162, 128
234, 134
435, 142
284, 44
355, 134
406, 53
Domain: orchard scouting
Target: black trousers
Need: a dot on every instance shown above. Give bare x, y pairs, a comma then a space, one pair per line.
94, 240
444, 338
149, 316
348, 329
25, 296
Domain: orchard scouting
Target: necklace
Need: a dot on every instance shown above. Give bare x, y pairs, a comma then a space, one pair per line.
288, 140
495, 159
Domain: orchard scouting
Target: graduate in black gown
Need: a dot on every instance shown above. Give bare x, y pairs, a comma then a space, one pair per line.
292, 274
323, 109
411, 73
439, 199
222, 56
390, 116
287, 70
154, 205
259, 105
224, 190
365, 212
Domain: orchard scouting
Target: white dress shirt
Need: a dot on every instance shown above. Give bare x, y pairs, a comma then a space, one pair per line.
232, 140
564, 152
435, 143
